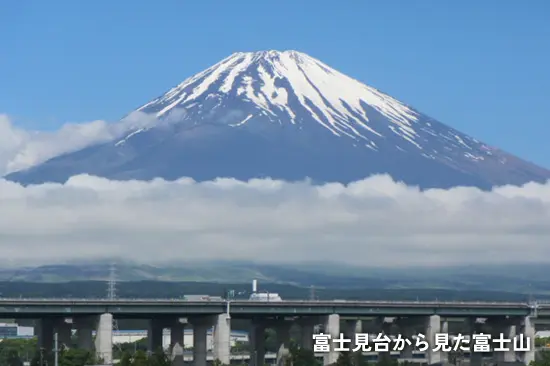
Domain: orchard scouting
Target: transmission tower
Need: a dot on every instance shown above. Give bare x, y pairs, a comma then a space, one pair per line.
111, 284
111, 292
312, 292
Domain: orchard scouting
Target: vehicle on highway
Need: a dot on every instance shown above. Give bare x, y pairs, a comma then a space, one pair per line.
265, 296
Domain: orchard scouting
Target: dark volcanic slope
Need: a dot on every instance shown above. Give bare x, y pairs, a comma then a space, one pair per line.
286, 115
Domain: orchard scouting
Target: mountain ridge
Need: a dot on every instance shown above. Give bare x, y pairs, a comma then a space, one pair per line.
286, 115
465, 278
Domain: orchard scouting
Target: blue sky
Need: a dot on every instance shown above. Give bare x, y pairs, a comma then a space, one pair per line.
479, 66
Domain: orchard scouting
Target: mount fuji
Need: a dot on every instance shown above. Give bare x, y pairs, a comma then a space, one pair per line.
287, 115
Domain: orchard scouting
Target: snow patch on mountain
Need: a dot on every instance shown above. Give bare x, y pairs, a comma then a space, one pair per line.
269, 79
288, 116
290, 87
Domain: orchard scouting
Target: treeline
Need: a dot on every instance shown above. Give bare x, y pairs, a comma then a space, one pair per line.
156, 289
270, 343
17, 352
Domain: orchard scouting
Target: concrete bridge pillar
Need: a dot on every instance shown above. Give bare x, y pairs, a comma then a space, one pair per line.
283, 339
384, 326
257, 343
307, 327
445, 330
104, 338
476, 358
502, 328
351, 328
44, 333
176, 334
200, 328
407, 328
507, 331
84, 327
155, 331
176, 357
177, 342
433, 326
332, 327
527, 330
407, 352
64, 332
222, 338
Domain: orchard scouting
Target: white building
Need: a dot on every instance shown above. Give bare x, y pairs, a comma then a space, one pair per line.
13, 330
128, 336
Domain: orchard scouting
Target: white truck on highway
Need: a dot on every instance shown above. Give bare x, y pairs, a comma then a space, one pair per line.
265, 296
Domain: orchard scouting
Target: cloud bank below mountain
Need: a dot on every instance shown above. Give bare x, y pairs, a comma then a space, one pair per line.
374, 222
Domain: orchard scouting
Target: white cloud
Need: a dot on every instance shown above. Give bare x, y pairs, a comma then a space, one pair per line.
20, 149
373, 222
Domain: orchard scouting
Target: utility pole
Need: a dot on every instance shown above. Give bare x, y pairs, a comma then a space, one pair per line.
56, 350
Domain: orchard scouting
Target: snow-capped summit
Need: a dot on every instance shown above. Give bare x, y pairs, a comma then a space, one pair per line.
287, 86
287, 115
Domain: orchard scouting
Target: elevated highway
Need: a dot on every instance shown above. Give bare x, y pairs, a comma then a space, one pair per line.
335, 317
137, 308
